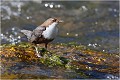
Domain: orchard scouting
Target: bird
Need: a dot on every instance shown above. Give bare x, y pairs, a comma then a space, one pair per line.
45, 33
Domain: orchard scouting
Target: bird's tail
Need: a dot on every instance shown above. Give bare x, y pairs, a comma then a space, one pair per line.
27, 33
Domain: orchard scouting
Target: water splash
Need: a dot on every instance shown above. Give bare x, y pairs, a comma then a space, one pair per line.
52, 5
12, 37
84, 8
94, 45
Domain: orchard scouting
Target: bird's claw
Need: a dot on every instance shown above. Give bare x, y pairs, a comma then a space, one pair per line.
38, 55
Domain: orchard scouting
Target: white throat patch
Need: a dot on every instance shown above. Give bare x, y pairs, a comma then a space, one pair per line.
51, 31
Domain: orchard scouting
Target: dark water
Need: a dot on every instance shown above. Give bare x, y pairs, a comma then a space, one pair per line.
31, 71
44, 71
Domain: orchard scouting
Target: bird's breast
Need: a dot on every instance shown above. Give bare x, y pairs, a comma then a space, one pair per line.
50, 32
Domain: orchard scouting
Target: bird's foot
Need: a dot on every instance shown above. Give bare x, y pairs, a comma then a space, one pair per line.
37, 52
38, 55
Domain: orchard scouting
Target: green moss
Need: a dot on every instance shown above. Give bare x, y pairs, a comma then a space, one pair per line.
53, 60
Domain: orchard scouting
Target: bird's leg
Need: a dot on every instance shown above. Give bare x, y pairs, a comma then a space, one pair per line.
36, 49
37, 52
46, 45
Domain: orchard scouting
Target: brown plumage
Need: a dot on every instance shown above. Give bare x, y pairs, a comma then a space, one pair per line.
44, 33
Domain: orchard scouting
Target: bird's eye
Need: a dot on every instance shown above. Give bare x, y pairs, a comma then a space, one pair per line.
54, 20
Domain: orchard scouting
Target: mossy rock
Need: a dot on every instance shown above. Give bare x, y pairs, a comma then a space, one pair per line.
74, 57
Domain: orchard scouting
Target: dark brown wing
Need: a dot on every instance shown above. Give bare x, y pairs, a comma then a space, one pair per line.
37, 33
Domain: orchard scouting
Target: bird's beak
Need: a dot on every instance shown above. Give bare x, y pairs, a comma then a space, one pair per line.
60, 21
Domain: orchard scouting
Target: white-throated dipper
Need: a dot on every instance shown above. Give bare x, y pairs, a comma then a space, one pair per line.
44, 33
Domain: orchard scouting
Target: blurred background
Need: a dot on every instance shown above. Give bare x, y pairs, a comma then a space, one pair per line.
94, 24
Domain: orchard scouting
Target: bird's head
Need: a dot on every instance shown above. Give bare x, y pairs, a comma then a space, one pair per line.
52, 20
